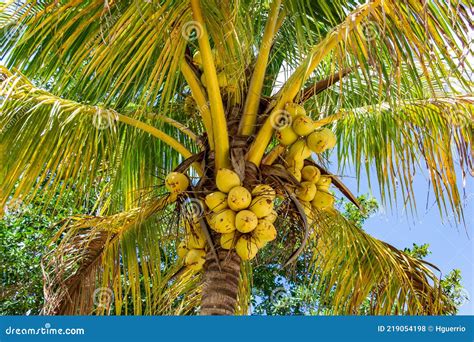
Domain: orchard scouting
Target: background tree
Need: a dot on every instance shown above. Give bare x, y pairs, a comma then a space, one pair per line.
121, 93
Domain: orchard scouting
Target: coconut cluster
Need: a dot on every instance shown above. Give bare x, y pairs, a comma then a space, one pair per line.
221, 75
192, 249
243, 217
302, 138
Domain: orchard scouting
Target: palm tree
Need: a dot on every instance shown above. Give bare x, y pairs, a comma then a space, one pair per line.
105, 99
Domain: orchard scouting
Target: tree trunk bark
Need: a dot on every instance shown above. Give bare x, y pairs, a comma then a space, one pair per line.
220, 287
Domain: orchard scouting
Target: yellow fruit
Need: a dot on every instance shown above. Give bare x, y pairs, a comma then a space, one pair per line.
306, 191
264, 190
197, 58
261, 206
182, 249
297, 163
222, 79
323, 200
310, 173
239, 198
227, 179
303, 125
227, 240
295, 172
176, 182
323, 183
295, 109
195, 259
271, 217
196, 239
299, 150
309, 212
224, 221
245, 221
216, 201
264, 232
246, 247
286, 136
321, 140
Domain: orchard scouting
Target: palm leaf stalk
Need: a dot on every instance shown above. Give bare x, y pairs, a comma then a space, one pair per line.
185, 199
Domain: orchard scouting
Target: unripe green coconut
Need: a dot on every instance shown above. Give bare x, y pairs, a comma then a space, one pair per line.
216, 201
227, 179
239, 198
176, 182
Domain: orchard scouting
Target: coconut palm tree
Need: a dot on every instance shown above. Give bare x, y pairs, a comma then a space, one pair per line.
204, 128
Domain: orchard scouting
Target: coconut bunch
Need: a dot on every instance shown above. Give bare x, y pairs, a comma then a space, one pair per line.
243, 217
301, 138
221, 75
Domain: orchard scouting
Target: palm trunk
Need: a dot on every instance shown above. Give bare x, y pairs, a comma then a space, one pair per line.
220, 288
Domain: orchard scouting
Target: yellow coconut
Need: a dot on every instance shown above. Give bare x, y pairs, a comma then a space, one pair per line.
245, 221
309, 212
264, 232
264, 190
196, 239
310, 173
246, 247
295, 109
195, 259
271, 217
222, 79
216, 201
321, 140
239, 198
224, 221
323, 183
261, 206
299, 150
286, 136
323, 200
227, 240
182, 249
297, 163
197, 58
227, 179
295, 172
306, 191
176, 182
303, 125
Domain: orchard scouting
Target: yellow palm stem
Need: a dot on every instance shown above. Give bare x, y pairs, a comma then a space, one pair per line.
249, 116
200, 98
219, 123
296, 81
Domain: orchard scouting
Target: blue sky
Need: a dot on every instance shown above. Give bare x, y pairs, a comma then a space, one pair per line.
451, 245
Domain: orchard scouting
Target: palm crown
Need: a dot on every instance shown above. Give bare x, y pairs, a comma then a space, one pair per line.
105, 98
